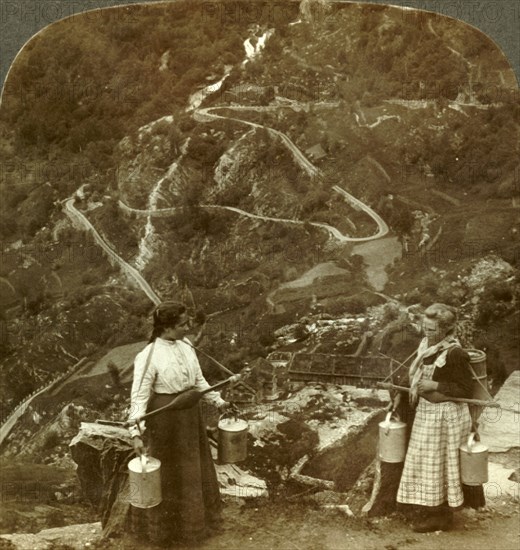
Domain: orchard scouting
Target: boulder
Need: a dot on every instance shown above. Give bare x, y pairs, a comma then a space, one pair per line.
500, 428
501, 487
515, 476
102, 454
75, 537
345, 460
386, 476
236, 482
384, 490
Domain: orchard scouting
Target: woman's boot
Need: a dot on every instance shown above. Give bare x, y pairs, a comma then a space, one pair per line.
435, 518
446, 517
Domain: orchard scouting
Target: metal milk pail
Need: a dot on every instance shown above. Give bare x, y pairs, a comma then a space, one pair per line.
232, 438
392, 440
144, 482
473, 462
480, 391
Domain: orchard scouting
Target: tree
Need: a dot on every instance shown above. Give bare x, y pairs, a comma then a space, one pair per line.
4, 335
114, 374
315, 200
313, 10
192, 193
184, 272
402, 220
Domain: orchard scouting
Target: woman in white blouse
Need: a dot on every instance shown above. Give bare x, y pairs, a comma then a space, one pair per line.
168, 365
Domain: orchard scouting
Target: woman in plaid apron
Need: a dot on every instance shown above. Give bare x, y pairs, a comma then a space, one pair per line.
431, 474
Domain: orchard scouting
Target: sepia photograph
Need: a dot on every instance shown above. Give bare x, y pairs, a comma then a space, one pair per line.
259, 278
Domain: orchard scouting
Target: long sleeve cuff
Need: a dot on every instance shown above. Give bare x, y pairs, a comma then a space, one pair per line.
135, 431
215, 398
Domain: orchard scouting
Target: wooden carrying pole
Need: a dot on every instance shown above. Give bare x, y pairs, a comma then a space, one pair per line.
187, 398
388, 475
388, 386
184, 400
218, 363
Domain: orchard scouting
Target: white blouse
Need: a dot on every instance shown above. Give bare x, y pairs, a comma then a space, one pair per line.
173, 368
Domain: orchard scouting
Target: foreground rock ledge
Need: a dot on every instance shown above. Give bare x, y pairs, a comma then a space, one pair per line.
102, 454
500, 428
72, 536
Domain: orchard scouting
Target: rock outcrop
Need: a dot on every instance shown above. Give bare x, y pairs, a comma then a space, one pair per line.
73, 537
102, 454
143, 158
500, 428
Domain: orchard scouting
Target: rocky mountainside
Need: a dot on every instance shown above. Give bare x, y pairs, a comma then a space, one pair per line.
208, 154
243, 157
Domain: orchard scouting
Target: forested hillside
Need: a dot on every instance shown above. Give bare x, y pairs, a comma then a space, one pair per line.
227, 196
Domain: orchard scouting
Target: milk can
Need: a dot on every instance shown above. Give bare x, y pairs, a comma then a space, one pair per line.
144, 481
392, 439
232, 438
477, 359
473, 462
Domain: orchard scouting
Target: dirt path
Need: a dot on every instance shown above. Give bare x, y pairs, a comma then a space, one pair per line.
378, 121
77, 216
382, 228
8, 284
294, 526
204, 115
323, 530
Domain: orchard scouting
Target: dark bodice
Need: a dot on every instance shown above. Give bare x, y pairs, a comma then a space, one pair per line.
455, 378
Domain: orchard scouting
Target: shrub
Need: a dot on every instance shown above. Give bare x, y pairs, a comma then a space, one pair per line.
495, 302
300, 332
390, 313
500, 290
427, 299
352, 304
88, 278
266, 336
52, 439
412, 297
336, 307
429, 284
355, 305
54, 518
314, 201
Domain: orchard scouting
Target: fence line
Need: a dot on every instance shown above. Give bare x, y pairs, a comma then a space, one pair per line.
21, 407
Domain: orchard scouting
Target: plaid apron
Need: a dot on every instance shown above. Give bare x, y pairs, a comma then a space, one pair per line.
431, 474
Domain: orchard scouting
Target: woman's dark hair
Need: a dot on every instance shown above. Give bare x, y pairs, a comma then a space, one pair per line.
166, 315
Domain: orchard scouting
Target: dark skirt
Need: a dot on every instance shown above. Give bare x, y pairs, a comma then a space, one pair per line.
191, 504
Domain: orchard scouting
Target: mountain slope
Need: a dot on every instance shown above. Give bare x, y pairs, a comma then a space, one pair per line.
411, 113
